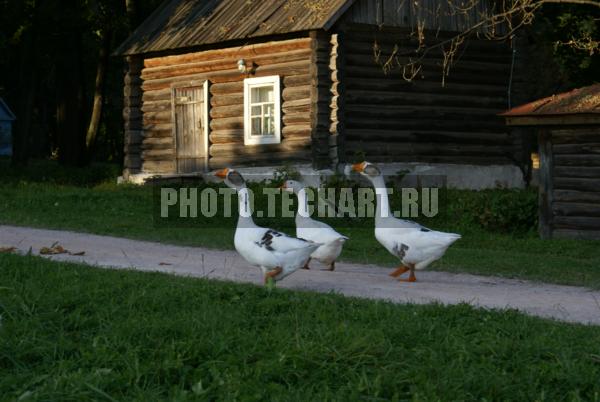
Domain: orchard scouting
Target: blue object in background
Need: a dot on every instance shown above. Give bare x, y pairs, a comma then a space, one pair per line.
6, 121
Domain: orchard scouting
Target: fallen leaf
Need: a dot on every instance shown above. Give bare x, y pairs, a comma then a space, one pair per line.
164, 263
8, 249
78, 253
53, 249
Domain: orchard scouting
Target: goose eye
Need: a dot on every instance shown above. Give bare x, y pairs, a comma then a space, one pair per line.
372, 171
235, 178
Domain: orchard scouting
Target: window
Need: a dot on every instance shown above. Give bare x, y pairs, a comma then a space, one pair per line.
262, 110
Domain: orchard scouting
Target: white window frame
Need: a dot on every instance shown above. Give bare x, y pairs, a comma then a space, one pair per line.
249, 83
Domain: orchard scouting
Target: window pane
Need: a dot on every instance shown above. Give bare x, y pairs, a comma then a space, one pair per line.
262, 94
255, 111
255, 126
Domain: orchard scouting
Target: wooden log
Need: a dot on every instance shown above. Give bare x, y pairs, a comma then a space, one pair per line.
426, 135
241, 149
427, 73
156, 106
576, 171
580, 148
262, 158
358, 122
158, 166
576, 135
575, 209
581, 184
222, 64
295, 93
158, 143
218, 112
236, 52
226, 100
227, 136
227, 88
296, 80
290, 68
297, 106
576, 196
577, 222
581, 234
410, 148
158, 154
576, 160
227, 123
296, 131
158, 117
393, 82
157, 95
423, 111
158, 127
413, 98
351, 154
290, 119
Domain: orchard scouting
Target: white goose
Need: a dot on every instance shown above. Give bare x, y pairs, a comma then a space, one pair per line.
318, 232
415, 245
277, 254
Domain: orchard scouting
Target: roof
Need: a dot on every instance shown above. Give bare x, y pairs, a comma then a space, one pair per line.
188, 23
578, 106
5, 112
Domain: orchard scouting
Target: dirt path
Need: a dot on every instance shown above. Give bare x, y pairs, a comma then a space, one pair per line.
567, 303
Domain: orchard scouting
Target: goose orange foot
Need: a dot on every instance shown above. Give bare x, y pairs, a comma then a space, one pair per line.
411, 277
399, 271
272, 274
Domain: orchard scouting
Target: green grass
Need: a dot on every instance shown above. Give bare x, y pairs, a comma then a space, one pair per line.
76, 333
31, 197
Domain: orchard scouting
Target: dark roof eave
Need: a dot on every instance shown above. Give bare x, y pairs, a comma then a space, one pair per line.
552, 120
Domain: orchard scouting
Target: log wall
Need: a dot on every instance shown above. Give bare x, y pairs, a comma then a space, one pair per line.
389, 119
570, 173
290, 59
132, 115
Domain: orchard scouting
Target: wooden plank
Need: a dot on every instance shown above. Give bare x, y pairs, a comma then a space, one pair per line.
577, 222
575, 209
581, 234
576, 196
581, 184
577, 160
546, 185
262, 158
427, 135
415, 98
576, 171
582, 119
580, 148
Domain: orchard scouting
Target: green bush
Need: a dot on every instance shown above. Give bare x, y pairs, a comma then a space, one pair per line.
502, 211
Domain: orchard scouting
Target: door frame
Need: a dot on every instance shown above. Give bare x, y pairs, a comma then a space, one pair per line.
204, 84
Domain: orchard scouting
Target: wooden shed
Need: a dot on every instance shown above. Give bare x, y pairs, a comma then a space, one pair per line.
568, 127
239, 82
6, 121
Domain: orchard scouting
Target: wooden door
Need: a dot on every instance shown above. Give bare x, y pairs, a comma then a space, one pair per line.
190, 129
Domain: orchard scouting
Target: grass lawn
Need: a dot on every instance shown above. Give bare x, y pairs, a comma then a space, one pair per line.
84, 201
74, 333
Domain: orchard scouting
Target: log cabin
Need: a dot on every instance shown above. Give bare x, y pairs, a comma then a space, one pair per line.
263, 83
568, 129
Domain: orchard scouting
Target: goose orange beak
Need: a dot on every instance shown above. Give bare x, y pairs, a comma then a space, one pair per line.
222, 173
359, 167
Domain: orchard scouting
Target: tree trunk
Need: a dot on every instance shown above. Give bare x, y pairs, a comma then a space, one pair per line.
71, 141
131, 14
25, 102
94, 124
